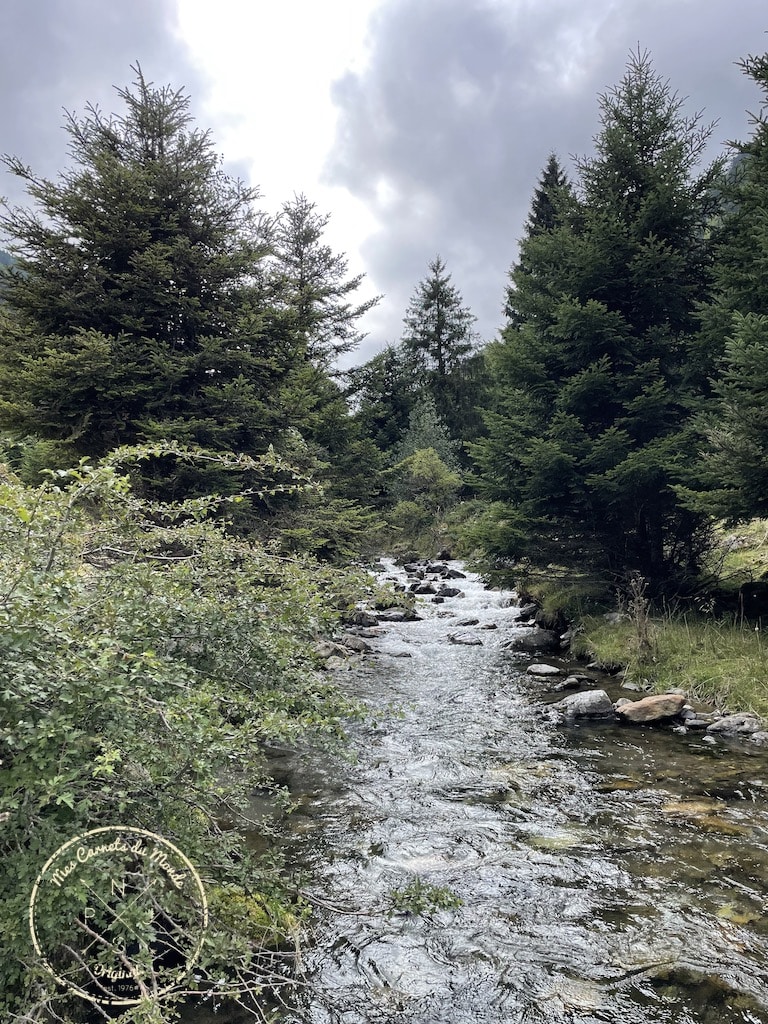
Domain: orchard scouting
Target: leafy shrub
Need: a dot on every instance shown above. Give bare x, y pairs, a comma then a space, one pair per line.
147, 658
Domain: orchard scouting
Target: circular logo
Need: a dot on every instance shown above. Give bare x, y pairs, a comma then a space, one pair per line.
118, 914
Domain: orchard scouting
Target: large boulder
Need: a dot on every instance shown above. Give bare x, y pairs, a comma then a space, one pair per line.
536, 640
588, 704
656, 708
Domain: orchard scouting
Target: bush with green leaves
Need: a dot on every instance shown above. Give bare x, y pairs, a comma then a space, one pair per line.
147, 660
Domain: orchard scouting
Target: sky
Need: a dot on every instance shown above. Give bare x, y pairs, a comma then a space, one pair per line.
420, 126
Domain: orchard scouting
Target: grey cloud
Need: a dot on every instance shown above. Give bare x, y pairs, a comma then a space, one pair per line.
446, 131
62, 54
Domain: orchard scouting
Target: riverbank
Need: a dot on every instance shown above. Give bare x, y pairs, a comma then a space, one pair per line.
724, 663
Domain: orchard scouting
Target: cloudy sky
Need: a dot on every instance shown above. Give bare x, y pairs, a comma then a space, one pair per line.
421, 126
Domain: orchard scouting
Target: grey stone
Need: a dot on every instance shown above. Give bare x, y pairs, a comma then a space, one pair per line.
466, 639
536, 640
356, 644
588, 704
741, 724
543, 670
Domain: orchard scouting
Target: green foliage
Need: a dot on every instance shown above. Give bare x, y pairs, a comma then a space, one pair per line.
731, 479
419, 898
591, 420
721, 661
427, 430
425, 479
147, 657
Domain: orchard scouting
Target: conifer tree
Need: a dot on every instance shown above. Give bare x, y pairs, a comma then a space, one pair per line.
312, 281
733, 474
134, 310
590, 428
438, 341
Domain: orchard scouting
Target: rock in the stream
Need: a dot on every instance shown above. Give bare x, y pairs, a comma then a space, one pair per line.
454, 574
369, 632
329, 649
398, 615
588, 704
655, 708
466, 639
536, 640
361, 618
742, 724
527, 612
760, 737
358, 645
543, 670
570, 683
450, 592
489, 625
423, 588
334, 664
467, 622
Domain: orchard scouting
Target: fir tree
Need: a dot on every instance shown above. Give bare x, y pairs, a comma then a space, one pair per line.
438, 341
590, 429
313, 284
133, 311
733, 474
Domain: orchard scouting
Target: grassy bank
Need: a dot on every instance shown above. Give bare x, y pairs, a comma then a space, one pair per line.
721, 660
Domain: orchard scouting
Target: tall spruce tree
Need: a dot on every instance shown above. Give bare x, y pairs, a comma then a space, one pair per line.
733, 474
133, 311
438, 342
590, 427
312, 281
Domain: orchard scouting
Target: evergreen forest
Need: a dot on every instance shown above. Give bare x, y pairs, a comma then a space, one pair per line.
191, 489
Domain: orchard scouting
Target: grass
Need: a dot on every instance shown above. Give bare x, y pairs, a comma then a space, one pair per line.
723, 661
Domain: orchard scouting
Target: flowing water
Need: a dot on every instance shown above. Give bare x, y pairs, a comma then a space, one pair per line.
605, 873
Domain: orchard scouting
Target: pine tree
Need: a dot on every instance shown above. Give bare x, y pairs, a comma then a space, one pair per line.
591, 425
733, 475
133, 311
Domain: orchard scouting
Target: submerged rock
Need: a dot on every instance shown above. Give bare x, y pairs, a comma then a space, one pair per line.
656, 708
361, 618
